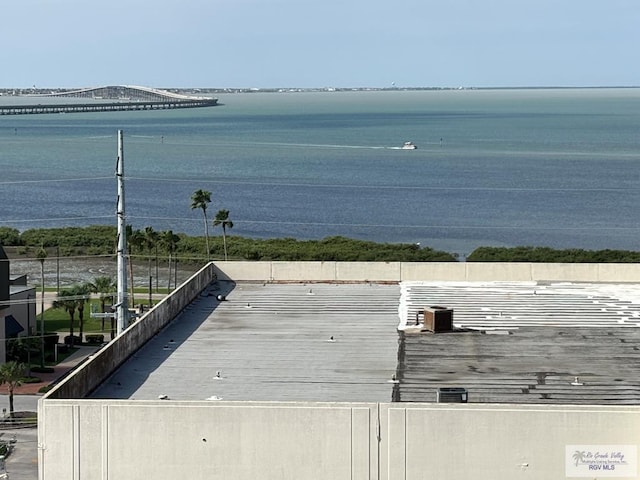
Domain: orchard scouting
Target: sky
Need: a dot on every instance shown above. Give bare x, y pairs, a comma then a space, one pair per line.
315, 44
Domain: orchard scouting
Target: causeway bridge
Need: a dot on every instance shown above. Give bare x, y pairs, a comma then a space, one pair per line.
107, 99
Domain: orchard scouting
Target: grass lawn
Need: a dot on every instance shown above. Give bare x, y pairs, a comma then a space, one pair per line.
58, 320
139, 291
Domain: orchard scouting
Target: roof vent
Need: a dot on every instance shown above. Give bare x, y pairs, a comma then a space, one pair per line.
452, 395
438, 319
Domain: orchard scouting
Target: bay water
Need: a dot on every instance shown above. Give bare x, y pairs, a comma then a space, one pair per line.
543, 167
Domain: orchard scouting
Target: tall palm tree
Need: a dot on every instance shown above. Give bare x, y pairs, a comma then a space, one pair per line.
134, 239
83, 293
222, 218
105, 288
11, 373
41, 254
150, 239
201, 199
170, 241
68, 302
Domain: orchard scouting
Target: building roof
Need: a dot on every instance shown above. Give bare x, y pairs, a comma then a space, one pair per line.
18, 289
524, 342
11, 327
558, 365
271, 342
512, 343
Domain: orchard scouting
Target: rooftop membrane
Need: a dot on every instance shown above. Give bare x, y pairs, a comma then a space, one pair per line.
521, 342
271, 342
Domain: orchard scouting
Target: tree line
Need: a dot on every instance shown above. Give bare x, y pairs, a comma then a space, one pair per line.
148, 244
100, 240
550, 255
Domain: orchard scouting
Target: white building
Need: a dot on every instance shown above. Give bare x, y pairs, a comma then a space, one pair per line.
143, 422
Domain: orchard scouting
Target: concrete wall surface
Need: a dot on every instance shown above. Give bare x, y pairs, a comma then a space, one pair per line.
493, 442
426, 271
115, 439
92, 373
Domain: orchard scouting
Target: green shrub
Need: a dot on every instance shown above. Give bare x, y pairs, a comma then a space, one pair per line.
549, 255
31, 379
100, 240
72, 340
101, 236
94, 338
9, 236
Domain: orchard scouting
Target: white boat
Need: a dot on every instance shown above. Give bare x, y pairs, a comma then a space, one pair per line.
408, 146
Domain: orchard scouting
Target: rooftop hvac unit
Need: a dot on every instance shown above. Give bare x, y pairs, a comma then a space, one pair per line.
438, 319
451, 395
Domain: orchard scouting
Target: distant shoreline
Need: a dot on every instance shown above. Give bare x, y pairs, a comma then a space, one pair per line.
18, 91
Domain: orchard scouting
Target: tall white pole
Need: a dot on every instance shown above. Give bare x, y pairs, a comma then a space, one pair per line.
122, 310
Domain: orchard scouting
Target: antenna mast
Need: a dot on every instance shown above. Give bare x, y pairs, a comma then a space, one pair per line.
122, 307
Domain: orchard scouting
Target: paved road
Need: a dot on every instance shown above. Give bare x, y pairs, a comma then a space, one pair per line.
22, 464
21, 403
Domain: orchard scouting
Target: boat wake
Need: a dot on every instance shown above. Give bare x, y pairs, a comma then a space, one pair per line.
324, 145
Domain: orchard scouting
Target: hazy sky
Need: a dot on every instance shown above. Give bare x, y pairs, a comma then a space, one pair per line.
329, 43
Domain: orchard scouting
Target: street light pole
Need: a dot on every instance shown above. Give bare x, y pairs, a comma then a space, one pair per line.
42, 315
42, 254
58, 269
29, 335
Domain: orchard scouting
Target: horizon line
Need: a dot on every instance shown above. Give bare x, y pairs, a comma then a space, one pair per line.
333, 88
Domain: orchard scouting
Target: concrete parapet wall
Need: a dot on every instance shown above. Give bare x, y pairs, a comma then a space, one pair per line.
567, 271
500, 442
619, 272
499, 272
444, 271
368, 271
308, 271
246, 271
98, 439
92, 373
426, 271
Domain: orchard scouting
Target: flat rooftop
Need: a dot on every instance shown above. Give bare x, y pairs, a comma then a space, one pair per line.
512, 343
271, 342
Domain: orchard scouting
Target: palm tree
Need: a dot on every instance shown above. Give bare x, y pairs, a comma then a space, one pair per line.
201, 199
41, 254
134, 239
12, 374
104, 287
150, 238
170, 241
222, 218
68, 302
82, 293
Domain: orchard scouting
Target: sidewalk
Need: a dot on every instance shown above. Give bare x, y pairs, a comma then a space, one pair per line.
60, 370
70, 362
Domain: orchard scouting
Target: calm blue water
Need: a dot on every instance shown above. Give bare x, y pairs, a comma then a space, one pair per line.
554, 168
